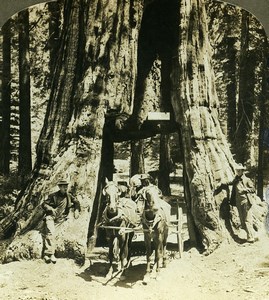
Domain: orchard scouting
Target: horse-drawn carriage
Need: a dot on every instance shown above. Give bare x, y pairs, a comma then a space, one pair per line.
149, 215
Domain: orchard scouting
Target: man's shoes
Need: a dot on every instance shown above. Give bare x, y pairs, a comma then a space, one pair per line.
53, 259
50, 258
250, 240
47, 259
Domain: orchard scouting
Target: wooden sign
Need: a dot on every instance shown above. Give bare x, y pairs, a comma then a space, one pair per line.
159, 116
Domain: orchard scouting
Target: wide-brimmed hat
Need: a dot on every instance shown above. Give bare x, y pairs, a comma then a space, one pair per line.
62, 182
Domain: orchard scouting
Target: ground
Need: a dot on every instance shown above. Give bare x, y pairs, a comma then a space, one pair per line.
231, 272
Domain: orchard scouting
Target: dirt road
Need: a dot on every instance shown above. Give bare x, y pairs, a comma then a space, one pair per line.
231, 272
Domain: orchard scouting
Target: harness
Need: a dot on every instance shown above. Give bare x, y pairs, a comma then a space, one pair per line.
150, 224
106, 219
121, 217
158, 215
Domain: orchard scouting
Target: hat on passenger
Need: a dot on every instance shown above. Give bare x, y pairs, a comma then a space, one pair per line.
240, 167
62, 182
144, 176
135, 181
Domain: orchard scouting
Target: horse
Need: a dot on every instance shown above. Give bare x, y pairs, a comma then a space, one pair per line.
118, 213
155, 219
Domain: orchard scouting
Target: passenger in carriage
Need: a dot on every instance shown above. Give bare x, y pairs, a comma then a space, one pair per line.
138, 184
135, 186
123, 189
146, 181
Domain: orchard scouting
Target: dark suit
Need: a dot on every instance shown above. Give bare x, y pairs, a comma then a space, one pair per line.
242, 191
57, 207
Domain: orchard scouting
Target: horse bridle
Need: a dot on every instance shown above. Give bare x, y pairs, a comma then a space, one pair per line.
106, 194
119, 215
157, 218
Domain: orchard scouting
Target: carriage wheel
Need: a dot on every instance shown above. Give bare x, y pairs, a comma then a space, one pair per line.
179, 230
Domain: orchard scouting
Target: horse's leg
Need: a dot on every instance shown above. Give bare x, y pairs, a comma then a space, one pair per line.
158, 241
164, 246
129, 245
127, 249
116, 248
123, 255
110, 257
147, 238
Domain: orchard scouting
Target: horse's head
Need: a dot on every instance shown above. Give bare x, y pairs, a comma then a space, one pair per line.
152, 198
111, 192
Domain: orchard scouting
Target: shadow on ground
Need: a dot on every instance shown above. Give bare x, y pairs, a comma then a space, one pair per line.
99, 266
97, 272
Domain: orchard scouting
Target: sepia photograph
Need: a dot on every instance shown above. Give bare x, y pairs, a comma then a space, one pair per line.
134, 150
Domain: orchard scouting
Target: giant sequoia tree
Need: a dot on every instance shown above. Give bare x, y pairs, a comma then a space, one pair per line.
100, 85
208, 159
25, 155
240, 51
6, 102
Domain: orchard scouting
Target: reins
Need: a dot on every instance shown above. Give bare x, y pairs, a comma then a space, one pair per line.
120, 216
158, 216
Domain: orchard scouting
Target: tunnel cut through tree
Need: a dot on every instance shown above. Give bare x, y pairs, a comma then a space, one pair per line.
105, 56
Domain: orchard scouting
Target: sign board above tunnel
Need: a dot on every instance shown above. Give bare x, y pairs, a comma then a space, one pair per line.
158, 116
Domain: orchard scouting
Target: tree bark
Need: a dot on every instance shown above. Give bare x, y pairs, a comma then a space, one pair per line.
239, 44
6, 101
264, 123
246, 92
95, 74
207, 154
165, 165
137, 157
25, 153
97, 77
224, 33
54, 34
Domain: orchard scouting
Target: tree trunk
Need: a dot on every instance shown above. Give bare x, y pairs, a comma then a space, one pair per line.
96, 78
264, 123
95, 74
165, 165
25, 153
54, 34
239, 43
207, 155
224, 33
6, 102
246, 92
137, 157
231, 72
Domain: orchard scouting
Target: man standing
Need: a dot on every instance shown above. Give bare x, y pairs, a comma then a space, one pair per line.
57, 207
266, 198
243, 188
243, 194
267, 194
